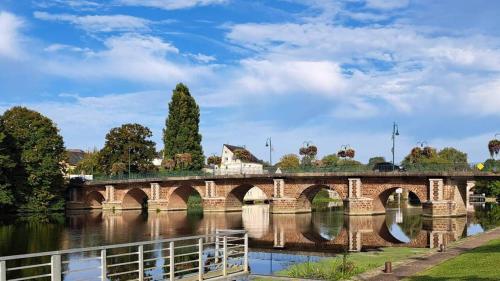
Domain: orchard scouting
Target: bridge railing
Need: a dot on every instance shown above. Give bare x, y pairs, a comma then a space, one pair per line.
223, 254
428, 167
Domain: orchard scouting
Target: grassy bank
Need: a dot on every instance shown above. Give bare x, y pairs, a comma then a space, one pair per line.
337, 268
481, 263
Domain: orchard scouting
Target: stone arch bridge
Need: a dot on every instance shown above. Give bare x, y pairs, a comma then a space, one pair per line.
365, 193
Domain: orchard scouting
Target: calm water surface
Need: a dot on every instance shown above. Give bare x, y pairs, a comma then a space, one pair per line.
276, 241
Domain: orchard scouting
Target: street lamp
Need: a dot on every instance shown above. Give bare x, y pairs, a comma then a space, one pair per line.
269, 143
395, 132
129, 161
421, 143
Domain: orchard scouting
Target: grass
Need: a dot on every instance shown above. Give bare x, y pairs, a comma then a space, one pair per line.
479, 264
332, 268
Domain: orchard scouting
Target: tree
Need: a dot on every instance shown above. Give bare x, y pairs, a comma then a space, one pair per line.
89, 164
243, 155
41, 154
183, 160
375, 160
289, 161
429, 155
6, 168
129, 143
452, 155
330, 160
181, 133
214, 160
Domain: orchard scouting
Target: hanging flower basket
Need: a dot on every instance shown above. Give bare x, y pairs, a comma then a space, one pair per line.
494, 147
341, 154
350, 153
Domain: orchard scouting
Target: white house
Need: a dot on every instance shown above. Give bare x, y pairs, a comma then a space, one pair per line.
230, 165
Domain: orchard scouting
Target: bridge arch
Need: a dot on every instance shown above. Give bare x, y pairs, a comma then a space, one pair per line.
178, 199
380, 199
94, 200
235, 198
135, 199
305, 198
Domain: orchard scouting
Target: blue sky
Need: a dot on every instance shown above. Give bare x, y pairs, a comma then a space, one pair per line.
330, 72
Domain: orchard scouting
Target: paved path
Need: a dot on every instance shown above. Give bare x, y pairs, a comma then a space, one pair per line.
414, 265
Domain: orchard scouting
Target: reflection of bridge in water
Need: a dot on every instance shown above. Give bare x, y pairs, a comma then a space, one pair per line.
312, 232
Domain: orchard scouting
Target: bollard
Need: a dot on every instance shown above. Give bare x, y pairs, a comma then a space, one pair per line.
388, 267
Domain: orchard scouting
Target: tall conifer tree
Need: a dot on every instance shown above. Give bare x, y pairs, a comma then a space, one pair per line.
181, 133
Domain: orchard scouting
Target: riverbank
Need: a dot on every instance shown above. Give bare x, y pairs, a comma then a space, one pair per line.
463, 258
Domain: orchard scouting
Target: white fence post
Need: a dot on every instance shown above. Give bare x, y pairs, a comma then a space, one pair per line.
224, 259
216, 246
3, 271
55, 268
200, 259
172, 261
104, 265
245, 259
141, 262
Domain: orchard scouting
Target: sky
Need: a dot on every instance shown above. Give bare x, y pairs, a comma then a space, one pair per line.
331, 73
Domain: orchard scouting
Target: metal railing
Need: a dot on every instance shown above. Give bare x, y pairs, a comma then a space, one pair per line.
428, 167
221, 255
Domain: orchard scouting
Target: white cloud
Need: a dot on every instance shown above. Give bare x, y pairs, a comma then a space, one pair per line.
64, 47
202, 58
171, 4
98, 23
131, 57
387, 4
484, 99
10, 36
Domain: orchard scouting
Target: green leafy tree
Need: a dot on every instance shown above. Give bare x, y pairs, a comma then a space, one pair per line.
128, 140
7, 166
330, 160
452, 155
181, 133
41, 154
289, 161
375, 160
429, 155
89, 164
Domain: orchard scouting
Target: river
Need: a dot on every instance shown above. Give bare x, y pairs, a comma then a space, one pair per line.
276, 241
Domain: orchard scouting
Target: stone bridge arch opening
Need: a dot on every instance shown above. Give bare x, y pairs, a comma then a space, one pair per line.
135, 199
388, 199
94, 200
185, 197
317, 197
236, 197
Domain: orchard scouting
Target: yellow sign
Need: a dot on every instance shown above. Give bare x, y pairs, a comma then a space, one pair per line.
480, 166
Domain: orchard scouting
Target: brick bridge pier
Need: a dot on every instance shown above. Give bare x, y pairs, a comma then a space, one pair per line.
365, 193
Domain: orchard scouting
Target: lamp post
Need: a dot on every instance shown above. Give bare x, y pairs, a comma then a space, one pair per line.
129, 161
395, 132
269, 143
421, 143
